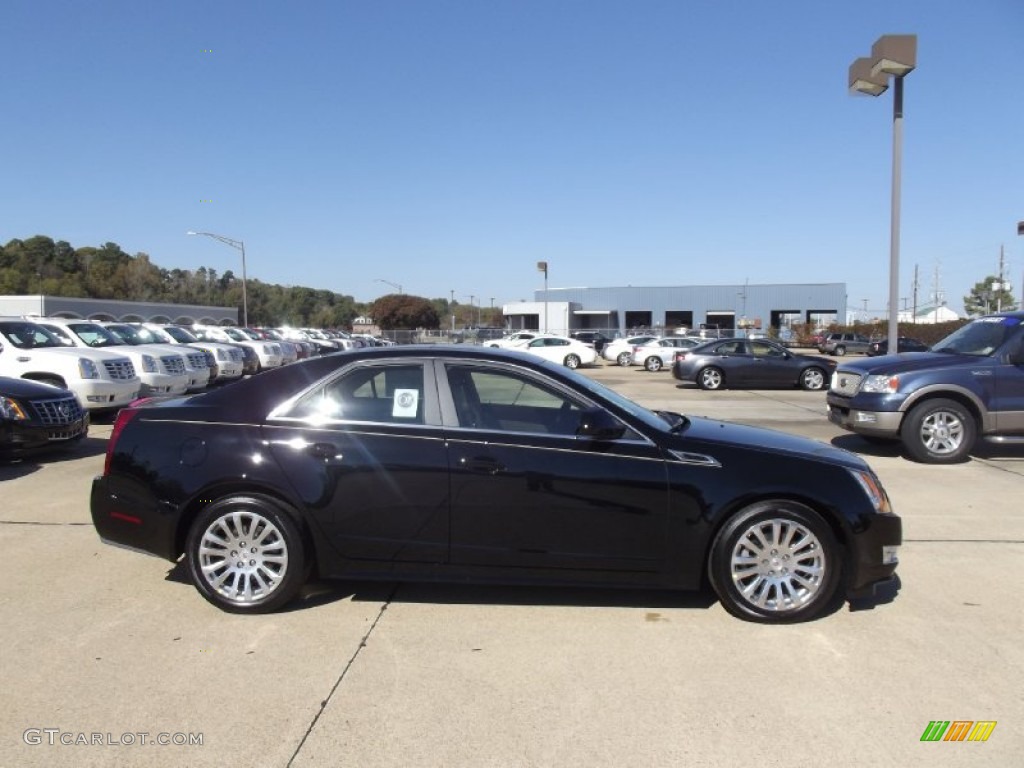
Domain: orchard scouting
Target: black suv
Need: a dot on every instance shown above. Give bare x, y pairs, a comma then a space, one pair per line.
594, 339
938, 403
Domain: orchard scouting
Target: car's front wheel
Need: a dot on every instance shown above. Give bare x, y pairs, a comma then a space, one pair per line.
840, 351
813, 379
572, 361
711, 378
777, 562
939, 432
246, 555
653, 363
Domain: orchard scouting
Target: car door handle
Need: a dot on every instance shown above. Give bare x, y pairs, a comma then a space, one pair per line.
323, 450
486, 465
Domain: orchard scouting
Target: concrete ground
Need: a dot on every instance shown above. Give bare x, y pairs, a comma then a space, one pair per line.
102, 644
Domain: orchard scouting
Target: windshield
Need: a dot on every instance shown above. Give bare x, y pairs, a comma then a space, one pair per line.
179, 334
152, 335
94, 335
980, 337
234, 333
126, 334
28, 335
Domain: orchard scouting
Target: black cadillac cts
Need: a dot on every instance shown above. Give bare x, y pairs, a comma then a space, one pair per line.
476, 464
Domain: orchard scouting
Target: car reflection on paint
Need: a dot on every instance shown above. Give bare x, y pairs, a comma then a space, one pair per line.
472, 464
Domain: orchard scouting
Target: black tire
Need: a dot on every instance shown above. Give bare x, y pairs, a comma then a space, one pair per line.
711, 378
624, 358
840, 351
813, 379
939, 432
572, 361
776, 562
275, 559
654, 363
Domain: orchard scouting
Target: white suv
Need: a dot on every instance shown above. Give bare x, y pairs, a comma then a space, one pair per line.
228, 357
100, 379
268, 352
161, 373
196, 366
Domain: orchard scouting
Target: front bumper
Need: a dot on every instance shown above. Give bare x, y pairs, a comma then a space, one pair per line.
873, 556
865, 422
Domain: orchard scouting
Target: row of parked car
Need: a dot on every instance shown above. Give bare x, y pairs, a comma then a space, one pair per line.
55, 371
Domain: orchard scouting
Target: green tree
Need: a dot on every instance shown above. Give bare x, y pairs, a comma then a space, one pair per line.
398, 312
989, 295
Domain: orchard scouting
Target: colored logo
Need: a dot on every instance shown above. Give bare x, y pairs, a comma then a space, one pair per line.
958, 730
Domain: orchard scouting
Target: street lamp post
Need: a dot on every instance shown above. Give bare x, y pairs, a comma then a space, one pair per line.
396, 286
542, 266
240, 246
894, 55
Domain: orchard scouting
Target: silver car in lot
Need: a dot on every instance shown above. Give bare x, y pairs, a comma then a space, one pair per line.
661, 352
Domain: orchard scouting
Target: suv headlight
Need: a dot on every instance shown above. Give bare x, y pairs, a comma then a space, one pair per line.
881, 383
873, 489
87, 368
10, 409
149, 364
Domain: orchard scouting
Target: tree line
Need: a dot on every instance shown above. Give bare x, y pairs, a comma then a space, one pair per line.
41, 265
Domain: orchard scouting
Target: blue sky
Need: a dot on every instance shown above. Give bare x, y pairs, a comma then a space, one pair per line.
449, 145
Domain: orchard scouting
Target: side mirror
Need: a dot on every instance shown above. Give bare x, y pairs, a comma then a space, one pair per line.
598, 424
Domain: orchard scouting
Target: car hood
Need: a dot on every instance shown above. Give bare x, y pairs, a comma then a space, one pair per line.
714, 432
26, 388
910, 362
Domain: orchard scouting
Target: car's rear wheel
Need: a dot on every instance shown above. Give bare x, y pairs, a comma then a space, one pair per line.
813, 379
246, 555
653, 363
711, 378
572, 361
939, 432
775, 562
624, 358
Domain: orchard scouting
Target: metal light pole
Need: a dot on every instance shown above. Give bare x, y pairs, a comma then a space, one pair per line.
894, 55
396, 286
542, 266
240, 246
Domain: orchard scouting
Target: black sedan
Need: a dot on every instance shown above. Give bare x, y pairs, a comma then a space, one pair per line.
34, 416
903, 344
751, 363
483, 465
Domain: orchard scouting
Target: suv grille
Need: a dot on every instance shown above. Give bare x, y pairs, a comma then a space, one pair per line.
197, 360
845, 383
236, 355
58, 412
173, 364
120, 369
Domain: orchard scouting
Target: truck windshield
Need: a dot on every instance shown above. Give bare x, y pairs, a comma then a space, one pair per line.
28, 335
980, 337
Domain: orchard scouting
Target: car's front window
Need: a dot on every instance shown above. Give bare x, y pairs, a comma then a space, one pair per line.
980, 337
28, 336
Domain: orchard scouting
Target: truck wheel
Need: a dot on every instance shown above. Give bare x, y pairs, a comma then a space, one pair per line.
939, 432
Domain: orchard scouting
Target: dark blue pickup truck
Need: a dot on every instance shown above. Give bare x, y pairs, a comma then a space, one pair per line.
939, 403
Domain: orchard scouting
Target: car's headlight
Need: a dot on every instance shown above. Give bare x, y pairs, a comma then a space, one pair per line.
149, 364
87, 368
873, 489
11, 410
884, 384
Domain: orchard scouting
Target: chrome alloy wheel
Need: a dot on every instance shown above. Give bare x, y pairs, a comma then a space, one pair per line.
942, 432
813, 379
778, 565
243, 556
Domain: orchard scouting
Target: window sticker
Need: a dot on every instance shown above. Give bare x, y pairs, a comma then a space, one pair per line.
405, 404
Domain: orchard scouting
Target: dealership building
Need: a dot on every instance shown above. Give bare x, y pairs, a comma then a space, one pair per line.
671, 308
122, 311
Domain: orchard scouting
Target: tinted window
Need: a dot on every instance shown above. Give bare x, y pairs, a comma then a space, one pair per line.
384, 394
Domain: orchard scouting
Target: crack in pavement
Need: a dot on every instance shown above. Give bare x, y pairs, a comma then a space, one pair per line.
337, 683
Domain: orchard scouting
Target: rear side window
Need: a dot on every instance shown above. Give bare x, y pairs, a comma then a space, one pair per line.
385, 394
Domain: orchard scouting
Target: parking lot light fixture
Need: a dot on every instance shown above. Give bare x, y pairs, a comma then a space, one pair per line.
891, 56
238, 244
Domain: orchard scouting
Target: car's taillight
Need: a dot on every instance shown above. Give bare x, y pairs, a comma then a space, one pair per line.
123, 417
680, 356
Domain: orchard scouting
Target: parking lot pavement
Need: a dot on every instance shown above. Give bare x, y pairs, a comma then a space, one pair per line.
102, 641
